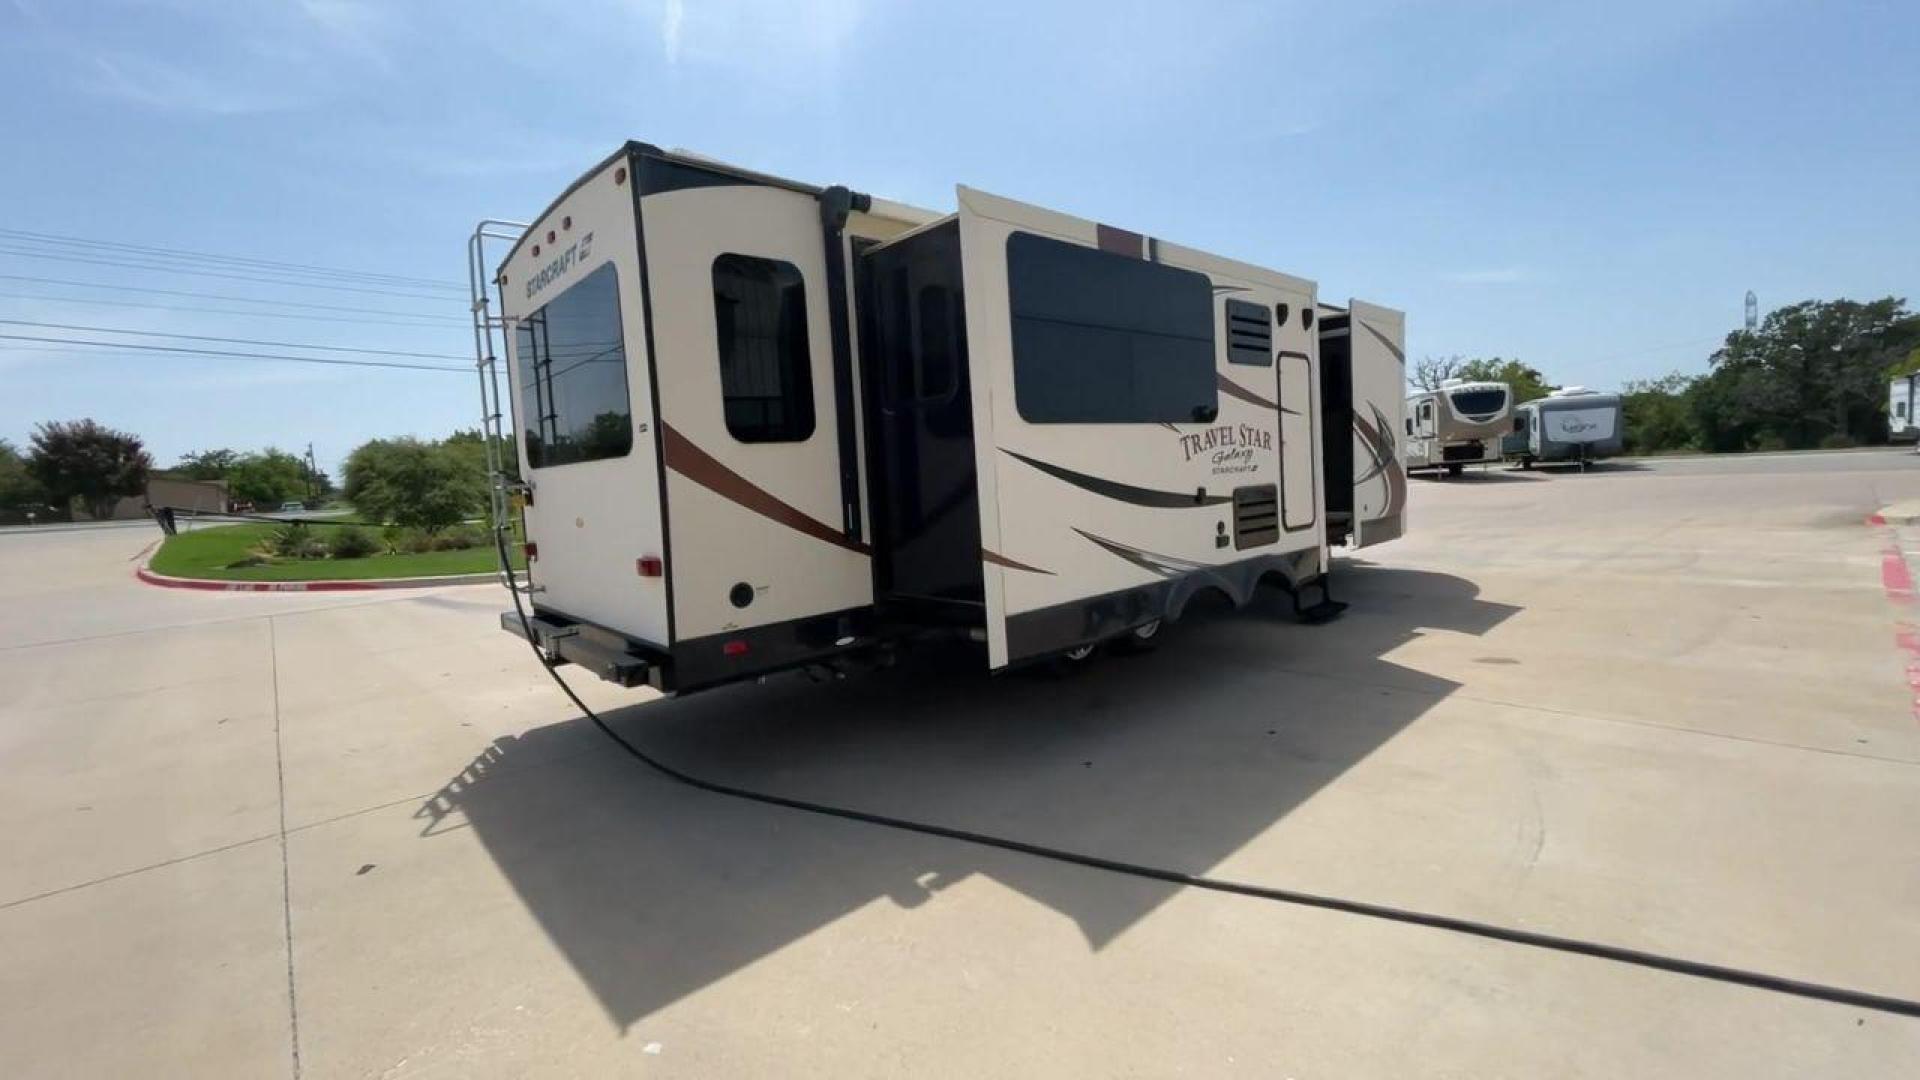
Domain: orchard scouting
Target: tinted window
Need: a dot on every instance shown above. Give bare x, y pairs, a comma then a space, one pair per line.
1479, 402
1104, 338
573, 375
766, 377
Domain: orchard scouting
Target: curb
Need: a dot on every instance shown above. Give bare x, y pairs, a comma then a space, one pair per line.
211, 585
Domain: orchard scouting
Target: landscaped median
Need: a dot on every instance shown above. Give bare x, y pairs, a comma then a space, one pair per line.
319, 557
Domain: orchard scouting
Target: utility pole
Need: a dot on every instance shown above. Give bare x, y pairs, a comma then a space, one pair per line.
1753, 311
313, 473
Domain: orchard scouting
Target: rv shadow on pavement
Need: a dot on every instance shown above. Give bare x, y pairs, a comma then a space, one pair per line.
653, 890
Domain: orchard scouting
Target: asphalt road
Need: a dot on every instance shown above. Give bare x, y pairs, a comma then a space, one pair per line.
1664, 704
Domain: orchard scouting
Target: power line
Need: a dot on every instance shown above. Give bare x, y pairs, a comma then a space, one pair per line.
236, 355
235, 299
121, 263
218, 311
234, 260
224, 340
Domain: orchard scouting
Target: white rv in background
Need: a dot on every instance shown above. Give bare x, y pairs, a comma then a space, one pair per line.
1903, 394
1458, 425
766, 425
1572, 423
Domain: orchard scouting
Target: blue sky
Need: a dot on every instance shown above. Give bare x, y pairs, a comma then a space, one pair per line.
1590, 187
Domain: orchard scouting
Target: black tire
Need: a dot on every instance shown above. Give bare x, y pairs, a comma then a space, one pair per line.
1455, 470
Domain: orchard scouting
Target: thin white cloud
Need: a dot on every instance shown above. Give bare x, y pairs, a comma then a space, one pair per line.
1501, 275
160, 85
765, 35
671, 23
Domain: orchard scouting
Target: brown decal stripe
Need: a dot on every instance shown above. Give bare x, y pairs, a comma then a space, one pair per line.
1398, 354
1126, 493
1163, 565
702, 468
1378, 438
1120, 241
1235, 390
998, 559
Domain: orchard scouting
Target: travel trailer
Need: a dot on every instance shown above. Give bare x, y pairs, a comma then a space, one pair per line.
765, 425
1571, 424
1458, 425
1902, 425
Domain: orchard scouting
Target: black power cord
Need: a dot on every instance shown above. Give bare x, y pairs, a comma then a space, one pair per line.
1758, 980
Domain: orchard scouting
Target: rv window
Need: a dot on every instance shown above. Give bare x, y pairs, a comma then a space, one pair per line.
573, 375
766, 376
1105, 338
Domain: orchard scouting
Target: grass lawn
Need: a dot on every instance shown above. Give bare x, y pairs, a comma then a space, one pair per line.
209, 553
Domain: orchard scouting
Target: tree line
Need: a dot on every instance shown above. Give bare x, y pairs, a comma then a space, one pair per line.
1812, 374
427, 485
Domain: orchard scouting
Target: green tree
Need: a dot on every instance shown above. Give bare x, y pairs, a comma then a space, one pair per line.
1525, 380
207, 464
1813, 372
415, 484
87, 461
1658, 414
267, 478
17, 485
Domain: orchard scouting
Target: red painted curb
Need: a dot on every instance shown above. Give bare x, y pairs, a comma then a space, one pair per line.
207, 585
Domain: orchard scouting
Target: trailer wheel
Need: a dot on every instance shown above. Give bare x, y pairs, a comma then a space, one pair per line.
1455, 470
1074, 660
1140, 639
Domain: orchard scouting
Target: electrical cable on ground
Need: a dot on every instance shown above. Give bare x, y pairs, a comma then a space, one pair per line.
1618, 954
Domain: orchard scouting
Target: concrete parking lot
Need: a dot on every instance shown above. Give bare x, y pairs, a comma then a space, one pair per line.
1665, 705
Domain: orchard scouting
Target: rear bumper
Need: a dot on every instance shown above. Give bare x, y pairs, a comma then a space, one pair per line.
600, 651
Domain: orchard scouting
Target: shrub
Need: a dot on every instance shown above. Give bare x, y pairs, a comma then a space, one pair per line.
1838, 441
352, 542
409, 541
460, 538
414, 484
295, 541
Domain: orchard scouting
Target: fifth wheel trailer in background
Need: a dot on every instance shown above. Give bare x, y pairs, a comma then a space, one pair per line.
1570, 424
1458, 425
765, 425
1903, 395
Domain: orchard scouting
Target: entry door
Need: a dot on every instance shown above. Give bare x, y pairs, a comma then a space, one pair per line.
757, 535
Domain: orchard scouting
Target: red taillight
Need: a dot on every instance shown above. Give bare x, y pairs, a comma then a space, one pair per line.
734, 648
533, 550
649, 566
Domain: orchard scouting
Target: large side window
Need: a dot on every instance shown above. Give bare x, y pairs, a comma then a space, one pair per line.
1105, 338
573, 375
766, 377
